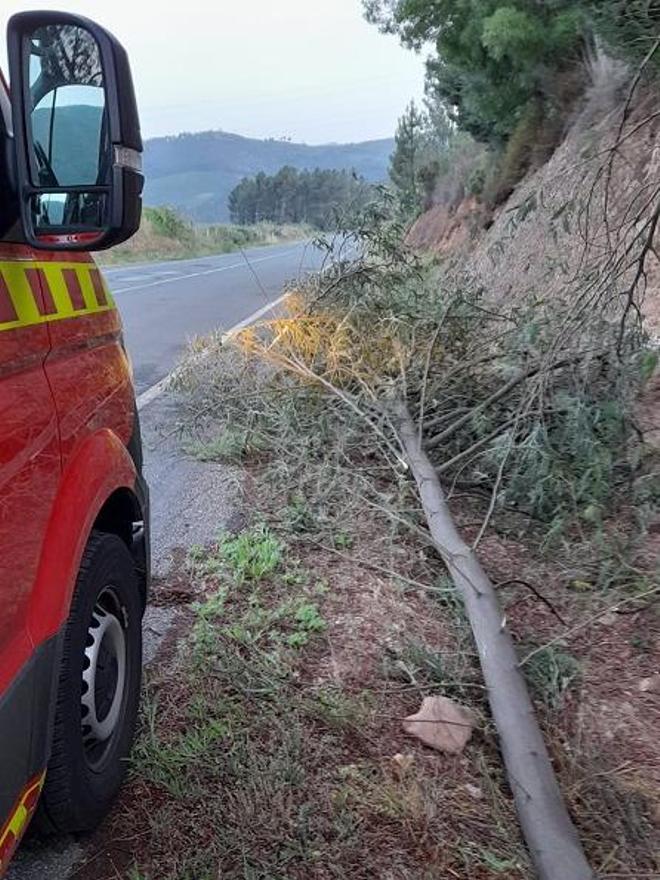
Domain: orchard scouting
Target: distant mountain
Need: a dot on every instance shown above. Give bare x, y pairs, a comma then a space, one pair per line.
195, 173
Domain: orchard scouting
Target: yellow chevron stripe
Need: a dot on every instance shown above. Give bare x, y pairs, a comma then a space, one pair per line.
23, 300
19, 818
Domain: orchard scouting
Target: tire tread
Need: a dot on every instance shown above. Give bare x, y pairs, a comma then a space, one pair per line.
57, 812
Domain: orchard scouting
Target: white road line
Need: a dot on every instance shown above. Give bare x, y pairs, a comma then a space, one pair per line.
255, 317
205, 258
217, 269
156, 390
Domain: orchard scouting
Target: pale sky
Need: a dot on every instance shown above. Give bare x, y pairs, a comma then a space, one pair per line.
303, 69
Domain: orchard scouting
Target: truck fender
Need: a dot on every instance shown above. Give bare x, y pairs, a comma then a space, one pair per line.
100, 466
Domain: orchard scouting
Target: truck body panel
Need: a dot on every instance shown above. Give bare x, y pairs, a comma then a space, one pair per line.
67, 466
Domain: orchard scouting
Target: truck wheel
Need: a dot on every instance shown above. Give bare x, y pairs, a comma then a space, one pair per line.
99, 690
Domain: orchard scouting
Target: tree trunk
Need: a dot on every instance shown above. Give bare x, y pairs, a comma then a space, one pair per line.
548, 830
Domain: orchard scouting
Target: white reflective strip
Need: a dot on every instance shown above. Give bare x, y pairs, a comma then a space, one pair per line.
126, 157
5, 106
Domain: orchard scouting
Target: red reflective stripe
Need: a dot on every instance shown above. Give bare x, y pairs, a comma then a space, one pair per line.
74, 289
41, 292
7, 308
6, 849
31, 798
99, 290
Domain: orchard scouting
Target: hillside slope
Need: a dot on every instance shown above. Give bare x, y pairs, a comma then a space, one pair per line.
195, 173
552, 234
571, 235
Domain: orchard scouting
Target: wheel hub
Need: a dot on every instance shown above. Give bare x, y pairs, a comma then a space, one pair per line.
104, 677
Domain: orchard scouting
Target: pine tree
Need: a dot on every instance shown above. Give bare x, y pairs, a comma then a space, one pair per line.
292, 196
409, 158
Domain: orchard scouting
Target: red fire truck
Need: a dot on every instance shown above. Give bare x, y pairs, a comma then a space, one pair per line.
74, 540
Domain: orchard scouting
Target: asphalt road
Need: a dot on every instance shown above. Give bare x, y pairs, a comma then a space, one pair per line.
165, 304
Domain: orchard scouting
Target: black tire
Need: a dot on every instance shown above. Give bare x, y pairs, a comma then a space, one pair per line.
85, 771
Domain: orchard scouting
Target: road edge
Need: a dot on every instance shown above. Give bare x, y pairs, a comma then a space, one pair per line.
155, 391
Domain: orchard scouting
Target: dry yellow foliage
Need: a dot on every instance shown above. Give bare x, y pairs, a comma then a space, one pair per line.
321, 345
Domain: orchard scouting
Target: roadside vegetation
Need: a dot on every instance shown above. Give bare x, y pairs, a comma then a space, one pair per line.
166, 235
527, 412
271, 743
398, 390
504, 82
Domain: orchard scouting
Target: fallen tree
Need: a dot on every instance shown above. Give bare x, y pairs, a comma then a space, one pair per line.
529, 405
550, 834
369, 370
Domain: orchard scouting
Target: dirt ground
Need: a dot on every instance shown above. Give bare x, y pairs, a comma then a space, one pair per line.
272, 742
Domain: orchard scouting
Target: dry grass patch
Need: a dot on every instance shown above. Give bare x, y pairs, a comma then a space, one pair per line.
166, 235
272, 745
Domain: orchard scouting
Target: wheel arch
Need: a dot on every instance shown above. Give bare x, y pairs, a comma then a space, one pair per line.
100, 488
125, 514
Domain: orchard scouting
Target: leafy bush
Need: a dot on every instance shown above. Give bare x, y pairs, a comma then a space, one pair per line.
167, 222
510, 72
252, 555
552, 672
433, 162
477, 180
559, 444
515, 159
630, 28
166, 235
575, 463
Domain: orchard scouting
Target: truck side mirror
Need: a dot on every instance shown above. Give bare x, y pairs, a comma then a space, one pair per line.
77, 133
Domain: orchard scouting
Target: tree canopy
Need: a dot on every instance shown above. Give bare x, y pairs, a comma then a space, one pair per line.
410, 157
492, 58
291, 196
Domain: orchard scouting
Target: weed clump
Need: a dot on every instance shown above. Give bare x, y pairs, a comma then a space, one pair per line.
165, 234
254, 763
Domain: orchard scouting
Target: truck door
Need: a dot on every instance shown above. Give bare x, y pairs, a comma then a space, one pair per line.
29, 474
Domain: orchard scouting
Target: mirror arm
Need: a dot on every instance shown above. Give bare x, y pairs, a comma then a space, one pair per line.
10, 213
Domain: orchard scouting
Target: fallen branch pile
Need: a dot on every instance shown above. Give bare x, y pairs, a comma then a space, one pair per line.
381, 367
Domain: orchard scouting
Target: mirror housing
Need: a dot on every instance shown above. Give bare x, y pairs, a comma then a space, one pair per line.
95, 215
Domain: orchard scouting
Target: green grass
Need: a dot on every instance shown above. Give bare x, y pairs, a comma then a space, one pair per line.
252, 555
308, 620
249, 556
551, 674
236, 745
257, 766
231, 446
